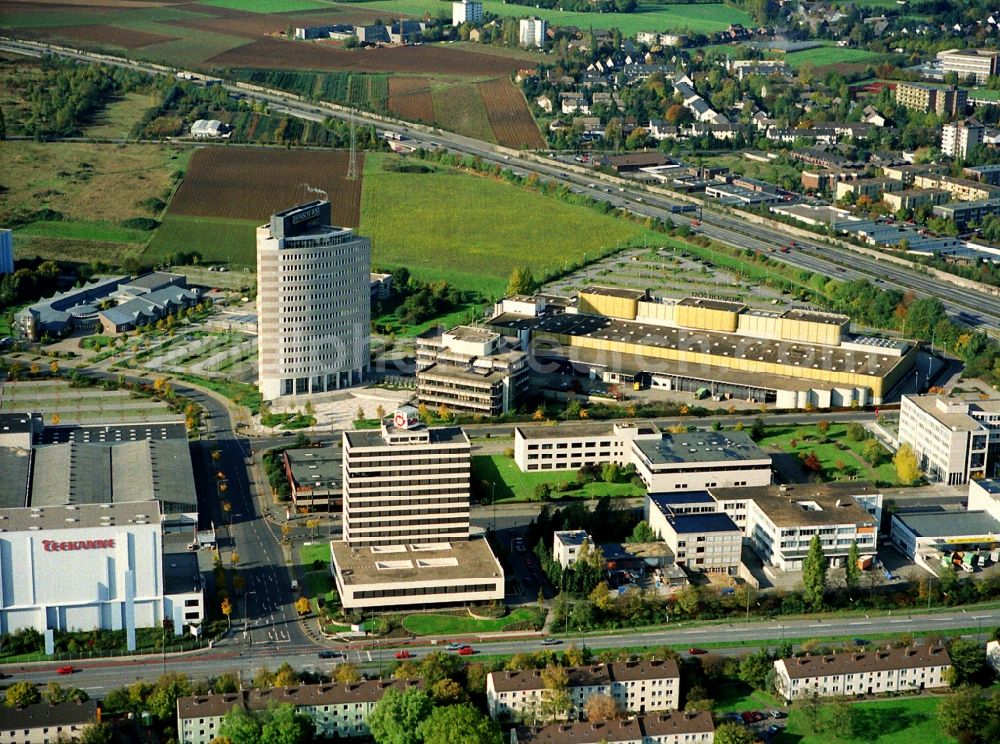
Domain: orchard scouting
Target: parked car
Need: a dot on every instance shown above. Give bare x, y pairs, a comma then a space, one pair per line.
404, 655
772, 729
466, 651
747, 717
757, 716
551, 642
777, 714
65, 670
697, 651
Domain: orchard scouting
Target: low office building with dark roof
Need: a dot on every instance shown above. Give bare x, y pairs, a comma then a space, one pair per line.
711, 543
337, 711
868, 672
315, 477
930, 533
674, 727
43, 723
637, 686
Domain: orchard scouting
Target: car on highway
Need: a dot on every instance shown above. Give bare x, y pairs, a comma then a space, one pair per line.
466, 651
329, 654
65, 670
697, 651
404, 655
551, 642
453, 647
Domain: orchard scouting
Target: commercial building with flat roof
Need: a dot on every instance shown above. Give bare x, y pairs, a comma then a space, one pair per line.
313, 303
976, 64
637, 687
869, 672
964, 213
944, 531
566, 546
954, 439
710, 543
470, 370
674, 727
792, 358
406, 536
315, 476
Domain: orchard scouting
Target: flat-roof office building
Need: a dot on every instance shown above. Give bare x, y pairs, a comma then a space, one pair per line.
313, 303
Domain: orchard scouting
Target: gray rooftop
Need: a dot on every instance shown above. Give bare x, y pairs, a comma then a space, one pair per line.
628, 294
149, 306
795, 505
374, 438
152, 281
688, 524
169, 428
701, 446
45, 715
402, 565
950, 524
572, 537
711, 304
15, 464
86, 515
181, 573
316, 467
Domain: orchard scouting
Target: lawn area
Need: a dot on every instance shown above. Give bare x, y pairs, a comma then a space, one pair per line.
238, 392
449, 320
118, 118
431, 624
732, 696
838, 447
512, 485
658, 16
106, 232
771, 171
896, 721
435, 243
829, 55
218, 240
269, 6
309, 554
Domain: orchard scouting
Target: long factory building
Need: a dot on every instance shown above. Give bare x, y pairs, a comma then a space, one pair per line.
794, 358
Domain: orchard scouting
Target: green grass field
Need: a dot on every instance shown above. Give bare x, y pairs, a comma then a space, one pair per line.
829, 55
269, 6
309, 554
808, 439
896, 721
431, 624
450, 225
650, 16
118, 118
218, 240
511, 484
106, 232
733, 696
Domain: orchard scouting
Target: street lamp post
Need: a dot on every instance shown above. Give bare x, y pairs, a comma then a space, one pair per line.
246, 616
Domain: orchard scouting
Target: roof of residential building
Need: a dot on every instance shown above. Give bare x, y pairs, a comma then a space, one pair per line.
42, 715
571, 537
587, 676
876, 660
642, 728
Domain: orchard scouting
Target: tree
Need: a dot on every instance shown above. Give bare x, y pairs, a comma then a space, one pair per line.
396, 718
97, 733
856, 432
642, 533
447, 692
286, 725
872, 452
20, 694
853, 571
814, 575
239, 726
840, 720
521, 281
732, 733
346, 674
962, 711
302, 606
968, 663
755, 669
823, 427
556, 699
463, 721
810, 708
757, 430
602, 708
907, 467
227, 609
286, 676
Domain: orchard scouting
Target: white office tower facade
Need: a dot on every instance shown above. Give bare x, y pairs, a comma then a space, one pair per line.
466, 11
313, 303
532, 32
406, 484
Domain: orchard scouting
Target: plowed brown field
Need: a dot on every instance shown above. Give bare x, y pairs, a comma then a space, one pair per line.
290, 55
247, 183
127, 38
511, 121
410, 98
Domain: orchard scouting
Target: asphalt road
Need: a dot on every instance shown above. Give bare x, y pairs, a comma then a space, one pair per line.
99, 677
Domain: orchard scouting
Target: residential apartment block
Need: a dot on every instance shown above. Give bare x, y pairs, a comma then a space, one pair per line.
566, 546
961, 138
43, 723
531, 32
868, 672
406, 537
674, 727
943, 101
965, 213
337, 711
914, 198
313, 303
637, 686
977, 64
471, 370
954, 439
466, 11
962, 189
